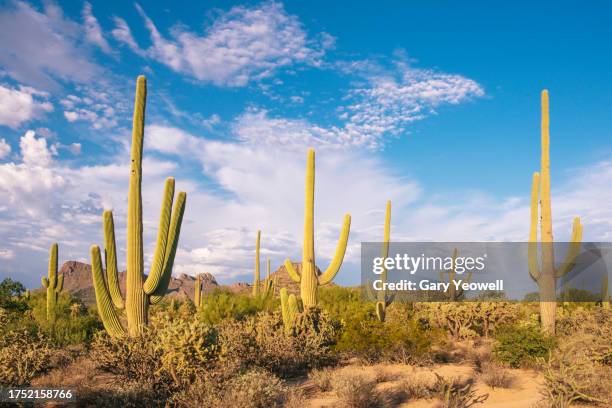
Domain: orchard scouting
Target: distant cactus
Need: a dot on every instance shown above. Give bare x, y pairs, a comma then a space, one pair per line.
383, 299
605, 292
268, 283
197, 299
75, 310
256, 276
27, 294
309, 280
290, 309
453, 294
53, 282
140, 292
546, 276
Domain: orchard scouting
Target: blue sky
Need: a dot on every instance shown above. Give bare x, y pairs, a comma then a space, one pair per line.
434, 105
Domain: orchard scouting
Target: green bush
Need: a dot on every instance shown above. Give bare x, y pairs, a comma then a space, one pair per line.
223, 304
12, 296
521, 344
399, 338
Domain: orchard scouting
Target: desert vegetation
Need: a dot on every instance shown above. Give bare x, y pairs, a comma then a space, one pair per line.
318, 345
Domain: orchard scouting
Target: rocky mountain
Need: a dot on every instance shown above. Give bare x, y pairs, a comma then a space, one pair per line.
78, 282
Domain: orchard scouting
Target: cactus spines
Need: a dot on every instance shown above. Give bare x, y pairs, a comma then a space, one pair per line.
256, 276
53, 283
546, 275
309, 280
197, 299
453, 293
139, 292
383, 300
290, 309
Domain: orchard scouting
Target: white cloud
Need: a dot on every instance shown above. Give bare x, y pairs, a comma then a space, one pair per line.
75, 148
38, 48
93, 31
241, 45
18, 106
5, 149
71, 116
34, 151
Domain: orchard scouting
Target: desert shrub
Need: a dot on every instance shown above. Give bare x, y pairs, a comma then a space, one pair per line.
223, 304
355, 389
322, 378
397, 339
344, 304
23, 355
261, 341
12, 296
496, 377
454, 393
521, 344
68, 327
254, 388
414, 388
458, 319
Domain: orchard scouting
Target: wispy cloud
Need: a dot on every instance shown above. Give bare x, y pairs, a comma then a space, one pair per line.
241, 45
93, 31
21, 105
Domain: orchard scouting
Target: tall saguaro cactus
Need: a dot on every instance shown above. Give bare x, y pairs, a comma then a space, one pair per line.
546, 274
309, 280
290, 309
53, 282
383, 299
453, 294
256, 275
140, 292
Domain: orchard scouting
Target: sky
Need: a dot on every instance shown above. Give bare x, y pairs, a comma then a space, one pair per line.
433, 105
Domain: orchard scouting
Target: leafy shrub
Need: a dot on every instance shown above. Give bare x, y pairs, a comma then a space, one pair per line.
397, 339
518, 345
261, 341
223, 304
12, 296
23, 354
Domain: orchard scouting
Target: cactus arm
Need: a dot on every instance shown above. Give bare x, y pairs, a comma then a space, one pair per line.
380, 311
44, 281
157, 266
60, 283
293, 274
334, 266
256, 275
173, 239
110, 253
109, 316
573, 250
532, 246
284, 298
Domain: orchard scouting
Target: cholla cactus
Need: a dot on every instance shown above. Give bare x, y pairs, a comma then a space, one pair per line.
309, 280
53, 282
547, 274
256, 275
453, 294
290, 309
140, 293
197, 299
383, 299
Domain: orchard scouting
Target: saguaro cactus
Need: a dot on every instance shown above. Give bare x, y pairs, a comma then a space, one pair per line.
605, 293
268, 284
453, 293
197, 299
309, 280
383, 299
547, 274
256, 273
53, 282
139, 292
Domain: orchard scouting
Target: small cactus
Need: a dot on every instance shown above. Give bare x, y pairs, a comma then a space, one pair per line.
309, 280
453, 294
605, 292
197, 299
256, 275
290, 309
53, 282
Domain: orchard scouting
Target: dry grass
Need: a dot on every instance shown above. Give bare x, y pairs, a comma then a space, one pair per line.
496, 376
322, 378
356, 389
